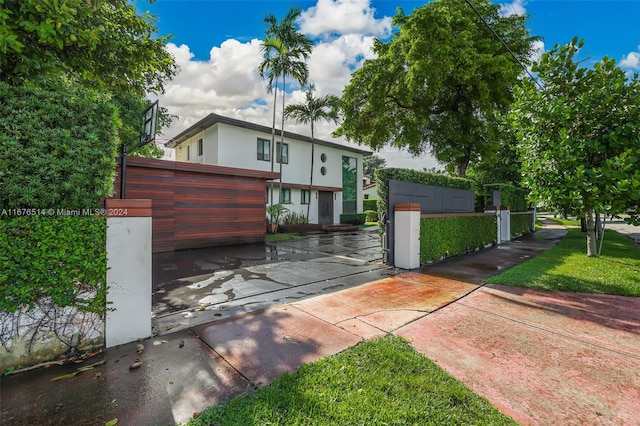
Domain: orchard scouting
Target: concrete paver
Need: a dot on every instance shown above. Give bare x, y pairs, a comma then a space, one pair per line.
277, 340
542, 358
179, 376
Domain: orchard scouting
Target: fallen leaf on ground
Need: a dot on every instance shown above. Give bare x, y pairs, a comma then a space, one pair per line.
139, 348
111, 422
135, 365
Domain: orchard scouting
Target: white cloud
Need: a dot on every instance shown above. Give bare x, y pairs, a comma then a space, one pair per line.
228, 82
515, 8
331, 17
631, 61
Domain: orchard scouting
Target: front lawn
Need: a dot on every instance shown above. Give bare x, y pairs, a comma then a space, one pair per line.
566, 267
379, 382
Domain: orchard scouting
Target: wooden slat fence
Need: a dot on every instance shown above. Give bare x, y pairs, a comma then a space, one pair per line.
196, 205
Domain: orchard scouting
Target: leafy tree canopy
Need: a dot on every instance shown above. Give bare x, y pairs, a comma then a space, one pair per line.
439, 83
102, 45
371, 163
579, 138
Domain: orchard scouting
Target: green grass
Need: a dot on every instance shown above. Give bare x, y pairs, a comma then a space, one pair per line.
566, 267
566, 222
379, 382
284, 236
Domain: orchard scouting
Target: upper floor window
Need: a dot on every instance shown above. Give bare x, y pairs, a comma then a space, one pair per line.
264, 149
188, 152
200, 147
284, 153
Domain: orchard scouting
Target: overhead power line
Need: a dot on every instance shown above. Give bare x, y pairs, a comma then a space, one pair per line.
506, 46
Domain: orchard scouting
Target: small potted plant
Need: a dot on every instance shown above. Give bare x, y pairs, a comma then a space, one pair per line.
274, 213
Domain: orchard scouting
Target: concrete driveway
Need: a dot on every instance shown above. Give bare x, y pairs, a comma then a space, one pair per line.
193, 287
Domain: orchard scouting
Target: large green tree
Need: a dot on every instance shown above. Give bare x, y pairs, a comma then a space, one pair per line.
440, 82
371, 163
103, 45
314, 109
286, 52
579, 134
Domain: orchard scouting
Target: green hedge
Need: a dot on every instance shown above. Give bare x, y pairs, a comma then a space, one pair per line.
450, 236
372, 216
56, 257
58, 147
370, 204
514, 197
521, 224
353, 218
58, 155
382, 176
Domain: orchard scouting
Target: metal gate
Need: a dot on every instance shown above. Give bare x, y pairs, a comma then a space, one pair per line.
432, 199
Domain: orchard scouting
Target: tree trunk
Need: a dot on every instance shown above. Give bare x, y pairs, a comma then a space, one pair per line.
463, 163
284, 92
313, 147
272, 147
592, 250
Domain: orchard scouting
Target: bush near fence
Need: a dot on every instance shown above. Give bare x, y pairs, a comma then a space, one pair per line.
353, 218
370, 204
512, 196
442, 237
521, 223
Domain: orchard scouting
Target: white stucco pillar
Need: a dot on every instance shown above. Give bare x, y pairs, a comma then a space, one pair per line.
503, 222
129, 274
407, 236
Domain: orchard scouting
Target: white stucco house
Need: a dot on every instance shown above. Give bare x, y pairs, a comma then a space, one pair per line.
337, 175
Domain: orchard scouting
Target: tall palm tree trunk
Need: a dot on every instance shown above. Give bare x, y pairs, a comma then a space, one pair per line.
272, 147
313, 148
284, 92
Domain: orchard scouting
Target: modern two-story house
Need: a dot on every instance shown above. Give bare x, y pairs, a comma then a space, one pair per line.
337, 174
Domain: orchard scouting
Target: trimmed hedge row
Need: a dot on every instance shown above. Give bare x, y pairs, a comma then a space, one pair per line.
450, 236
382, 177
514, 197
62, 258
353, 218
521, 224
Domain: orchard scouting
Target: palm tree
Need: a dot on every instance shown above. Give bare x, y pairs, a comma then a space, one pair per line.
285, 54
314, 109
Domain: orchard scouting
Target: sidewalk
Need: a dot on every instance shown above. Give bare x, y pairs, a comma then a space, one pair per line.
542, 358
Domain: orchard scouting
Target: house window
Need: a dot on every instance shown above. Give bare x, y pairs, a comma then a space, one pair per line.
285, 196
305, 196
366, 196
188, 152
264, 148
200, 148
285, 153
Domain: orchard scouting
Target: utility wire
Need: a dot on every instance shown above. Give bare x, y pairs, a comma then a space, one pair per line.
484, 21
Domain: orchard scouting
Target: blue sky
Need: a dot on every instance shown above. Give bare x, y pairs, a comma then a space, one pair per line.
216, 43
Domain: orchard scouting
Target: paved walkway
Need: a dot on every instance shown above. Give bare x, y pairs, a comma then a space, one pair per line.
542, 358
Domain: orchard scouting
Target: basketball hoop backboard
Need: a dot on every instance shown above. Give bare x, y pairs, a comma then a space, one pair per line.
149, 124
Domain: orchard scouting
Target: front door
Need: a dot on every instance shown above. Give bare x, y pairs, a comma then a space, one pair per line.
325, 208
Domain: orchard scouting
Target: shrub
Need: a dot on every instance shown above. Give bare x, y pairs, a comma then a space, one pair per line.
450, 236
514, 197
521, 224
62, 258
353, 218
371, 215
58, 147
370, 204
293, 218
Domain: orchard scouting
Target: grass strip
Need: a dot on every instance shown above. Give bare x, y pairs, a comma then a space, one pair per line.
566, 267
379, 382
